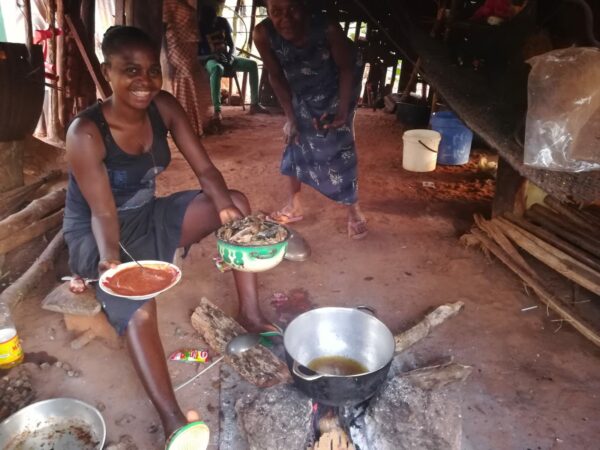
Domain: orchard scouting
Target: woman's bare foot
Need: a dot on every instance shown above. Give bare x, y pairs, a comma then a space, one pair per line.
288, 214
195, 434
192, 416
357, 223
256, 324
77, 284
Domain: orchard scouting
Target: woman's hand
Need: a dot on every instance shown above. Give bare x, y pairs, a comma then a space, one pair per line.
230, 214
290, 132
340, 120
107, 264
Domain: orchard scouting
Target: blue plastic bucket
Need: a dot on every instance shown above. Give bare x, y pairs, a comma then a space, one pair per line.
455, 147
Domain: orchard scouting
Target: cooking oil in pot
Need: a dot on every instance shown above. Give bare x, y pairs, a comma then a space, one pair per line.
337, 365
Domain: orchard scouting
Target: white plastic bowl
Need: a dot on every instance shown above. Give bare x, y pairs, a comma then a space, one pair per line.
147, 263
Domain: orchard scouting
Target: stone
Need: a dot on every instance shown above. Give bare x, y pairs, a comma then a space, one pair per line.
125, 419
419, 409
276, 417
99, 326
62, 300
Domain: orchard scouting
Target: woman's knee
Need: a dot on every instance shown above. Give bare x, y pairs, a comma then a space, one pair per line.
240, 201
216, 69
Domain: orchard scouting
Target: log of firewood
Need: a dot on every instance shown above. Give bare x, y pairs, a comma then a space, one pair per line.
31, 232
423, 329
336, 439
37, 209
258, 365
556, 241
535, 283
21, 287
10, 201
552, 257
543, 217
570, 213
495, 232
28, 188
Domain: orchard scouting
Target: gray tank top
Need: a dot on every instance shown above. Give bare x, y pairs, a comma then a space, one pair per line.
132, 177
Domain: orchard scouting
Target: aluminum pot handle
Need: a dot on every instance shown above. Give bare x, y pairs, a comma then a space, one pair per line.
367, 309
296, 370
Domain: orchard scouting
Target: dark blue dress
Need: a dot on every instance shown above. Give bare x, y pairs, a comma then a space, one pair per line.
325, 161
150, 227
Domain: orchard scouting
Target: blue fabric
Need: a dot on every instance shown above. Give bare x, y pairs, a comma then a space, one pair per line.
325, 161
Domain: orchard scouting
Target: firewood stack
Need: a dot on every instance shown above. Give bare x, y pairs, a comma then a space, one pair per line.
560, 236
26, 213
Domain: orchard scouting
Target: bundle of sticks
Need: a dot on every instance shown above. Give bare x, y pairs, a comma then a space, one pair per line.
26, 213
559, 235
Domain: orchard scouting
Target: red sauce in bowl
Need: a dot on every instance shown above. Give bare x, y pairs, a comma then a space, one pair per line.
136, 280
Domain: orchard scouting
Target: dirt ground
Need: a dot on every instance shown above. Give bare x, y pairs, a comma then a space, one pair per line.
534, 386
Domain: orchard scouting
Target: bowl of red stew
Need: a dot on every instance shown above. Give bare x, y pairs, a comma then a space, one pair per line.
129, 280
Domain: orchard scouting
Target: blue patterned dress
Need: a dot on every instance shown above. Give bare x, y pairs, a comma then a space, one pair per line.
325, 161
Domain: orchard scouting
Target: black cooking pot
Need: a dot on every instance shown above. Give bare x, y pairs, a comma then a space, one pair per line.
338, 332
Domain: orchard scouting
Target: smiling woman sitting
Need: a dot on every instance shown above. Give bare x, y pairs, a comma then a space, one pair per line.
115, 150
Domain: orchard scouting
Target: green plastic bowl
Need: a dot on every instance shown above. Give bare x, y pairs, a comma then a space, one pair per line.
252, 258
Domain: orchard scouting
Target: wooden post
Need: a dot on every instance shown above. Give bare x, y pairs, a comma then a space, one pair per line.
61, 60
346, 27
394, 69
250, 42
28, 25
120, 12
357, 34
129, 13
510, 191
54, 128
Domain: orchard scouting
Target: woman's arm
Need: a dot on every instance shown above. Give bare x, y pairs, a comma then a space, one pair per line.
85, 156
189, 144
276, 76
341, 51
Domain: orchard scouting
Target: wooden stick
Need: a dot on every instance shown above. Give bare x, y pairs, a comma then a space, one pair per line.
423, 329
258, 365
24, 190
570, 213
496, 233
533, 281
31, 232
438, 376
556, 241
552, 257
37, 209
549, 222
31, 278
88, 55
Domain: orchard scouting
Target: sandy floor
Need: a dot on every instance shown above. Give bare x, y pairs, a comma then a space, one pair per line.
532, 387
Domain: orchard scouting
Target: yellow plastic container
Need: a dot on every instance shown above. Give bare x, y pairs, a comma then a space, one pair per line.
11, 353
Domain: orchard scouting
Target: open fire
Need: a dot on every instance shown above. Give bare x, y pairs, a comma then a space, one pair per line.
416, 409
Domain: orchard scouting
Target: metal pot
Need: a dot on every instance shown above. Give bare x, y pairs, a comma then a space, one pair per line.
340, 332
60, 423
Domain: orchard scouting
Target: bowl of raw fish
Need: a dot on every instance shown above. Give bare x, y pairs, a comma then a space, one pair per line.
252, 244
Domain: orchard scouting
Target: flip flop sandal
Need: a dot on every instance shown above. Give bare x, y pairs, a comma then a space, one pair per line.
193, 436
353, 228
284, 218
